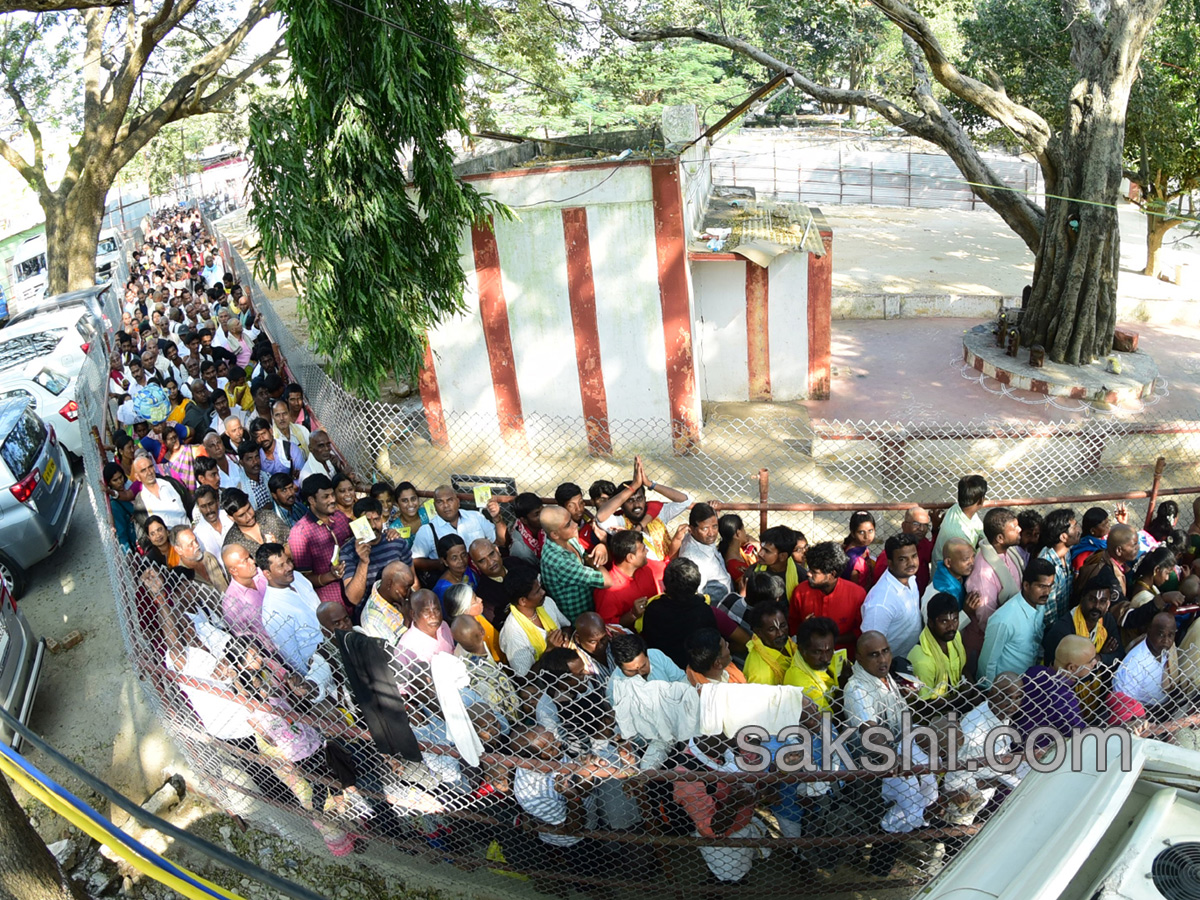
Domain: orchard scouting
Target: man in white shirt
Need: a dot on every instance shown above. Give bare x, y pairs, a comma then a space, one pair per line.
1150, 670
214, 269
967, 792
893, 606
448, 519
700, 546
320, 456
289, 609
229, 472
209, 521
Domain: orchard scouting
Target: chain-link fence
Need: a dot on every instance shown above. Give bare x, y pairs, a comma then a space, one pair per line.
509, 749
851, 464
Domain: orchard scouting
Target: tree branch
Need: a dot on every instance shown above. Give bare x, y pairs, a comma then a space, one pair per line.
182, 99
1030, 128
33, 176
933, 123
39, 6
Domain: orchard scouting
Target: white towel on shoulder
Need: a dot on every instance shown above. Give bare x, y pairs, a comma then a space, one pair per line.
450, 679
727, 708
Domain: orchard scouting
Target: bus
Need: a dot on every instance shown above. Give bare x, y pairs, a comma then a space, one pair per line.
28, 274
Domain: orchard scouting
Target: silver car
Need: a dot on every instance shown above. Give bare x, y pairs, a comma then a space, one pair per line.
21, 657
37, 491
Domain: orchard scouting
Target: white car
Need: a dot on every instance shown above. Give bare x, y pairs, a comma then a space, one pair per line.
57, 337
1125, 831
52, 395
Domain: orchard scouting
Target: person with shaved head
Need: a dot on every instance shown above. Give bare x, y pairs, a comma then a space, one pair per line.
241, 604
1050, 698
567, 576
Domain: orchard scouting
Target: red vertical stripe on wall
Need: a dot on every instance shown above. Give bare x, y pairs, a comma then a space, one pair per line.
493, 311
820, 315
581, 289
431, 399
670, 239
758, 344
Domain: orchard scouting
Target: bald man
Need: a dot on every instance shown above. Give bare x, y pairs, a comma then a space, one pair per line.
1050, 700
468, 635
566, 574
872, 696
386, 614
1149, 673
916, 521
241, 604
950, 575
333, 618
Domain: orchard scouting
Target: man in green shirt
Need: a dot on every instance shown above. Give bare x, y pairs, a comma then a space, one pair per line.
565, 572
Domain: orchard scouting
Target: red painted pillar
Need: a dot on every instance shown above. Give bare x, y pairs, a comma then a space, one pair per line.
820, 319
493, 311
758, 344
431, 399
670, 239
581, 290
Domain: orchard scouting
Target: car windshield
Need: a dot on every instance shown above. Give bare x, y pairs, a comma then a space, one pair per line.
22, 348
54, 382
30, 268
23, 444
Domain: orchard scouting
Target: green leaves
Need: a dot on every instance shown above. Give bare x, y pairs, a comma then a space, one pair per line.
352, 180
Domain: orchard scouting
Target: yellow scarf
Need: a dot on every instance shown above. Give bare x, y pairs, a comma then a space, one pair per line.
947, 670
1081, 629
774, 660
818, 686
791, 578
537, 636
655, 536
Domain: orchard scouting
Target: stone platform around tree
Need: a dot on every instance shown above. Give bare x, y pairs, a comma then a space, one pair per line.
1092, 382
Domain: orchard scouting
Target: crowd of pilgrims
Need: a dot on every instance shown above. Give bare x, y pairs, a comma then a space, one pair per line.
531, 661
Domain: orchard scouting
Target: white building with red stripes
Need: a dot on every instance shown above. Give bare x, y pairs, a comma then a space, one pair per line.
588, 309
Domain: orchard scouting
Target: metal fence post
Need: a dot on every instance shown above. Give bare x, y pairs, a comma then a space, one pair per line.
764, 484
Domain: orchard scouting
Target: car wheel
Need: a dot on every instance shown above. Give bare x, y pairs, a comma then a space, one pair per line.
13, 576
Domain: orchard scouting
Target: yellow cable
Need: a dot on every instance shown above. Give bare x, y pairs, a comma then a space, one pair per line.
95, 830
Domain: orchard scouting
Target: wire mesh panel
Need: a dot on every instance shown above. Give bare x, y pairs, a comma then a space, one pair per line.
688, 742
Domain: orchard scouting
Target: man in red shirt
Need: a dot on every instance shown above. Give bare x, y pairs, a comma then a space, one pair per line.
826, 594
916, 521
633, 582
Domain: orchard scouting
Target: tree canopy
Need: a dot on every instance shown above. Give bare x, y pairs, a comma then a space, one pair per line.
112, 79
352, 180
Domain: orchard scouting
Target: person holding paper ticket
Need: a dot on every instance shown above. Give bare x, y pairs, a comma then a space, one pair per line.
366, 560
448, 518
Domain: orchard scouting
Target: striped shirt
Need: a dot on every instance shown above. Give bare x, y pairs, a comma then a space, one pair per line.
1059, 603
536, 793
383, 554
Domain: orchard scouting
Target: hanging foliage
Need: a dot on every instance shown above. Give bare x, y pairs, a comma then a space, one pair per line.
352, 180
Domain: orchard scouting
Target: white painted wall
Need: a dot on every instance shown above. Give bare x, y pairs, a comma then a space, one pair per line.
787, 313
532, 254
720, 329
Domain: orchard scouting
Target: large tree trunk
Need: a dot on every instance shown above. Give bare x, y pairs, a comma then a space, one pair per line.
1072, 309
28, 871
1158, 222
73, 220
